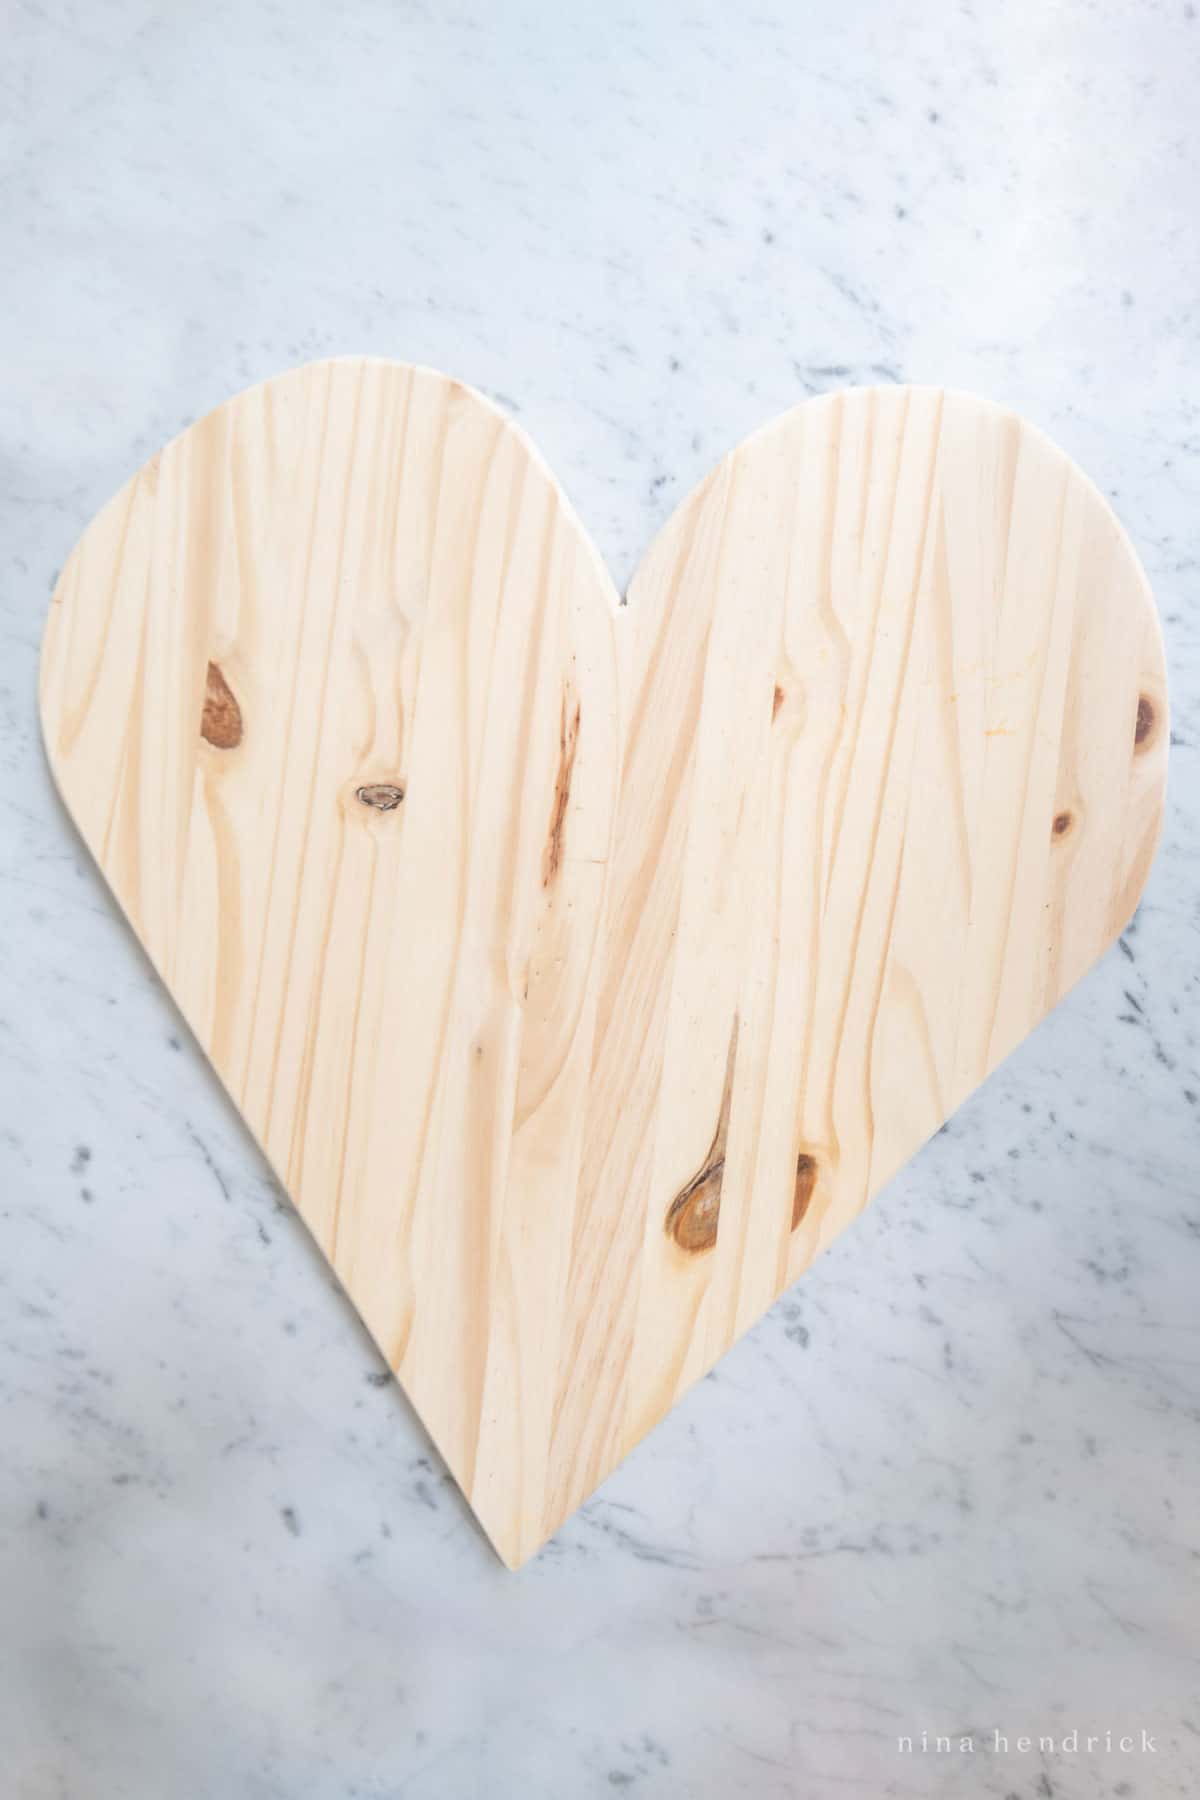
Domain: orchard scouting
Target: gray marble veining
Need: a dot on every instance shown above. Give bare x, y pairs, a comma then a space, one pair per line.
950, 1484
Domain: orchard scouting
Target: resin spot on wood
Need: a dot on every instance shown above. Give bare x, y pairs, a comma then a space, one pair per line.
568, 743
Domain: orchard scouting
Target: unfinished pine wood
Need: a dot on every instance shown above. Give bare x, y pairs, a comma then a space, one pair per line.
582, 972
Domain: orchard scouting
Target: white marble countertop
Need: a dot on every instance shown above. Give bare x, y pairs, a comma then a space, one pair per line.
950, 1484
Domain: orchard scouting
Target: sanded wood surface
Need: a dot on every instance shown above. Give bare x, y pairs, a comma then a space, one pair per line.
584, 970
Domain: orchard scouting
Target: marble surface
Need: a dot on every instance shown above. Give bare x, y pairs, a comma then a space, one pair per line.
950, 1484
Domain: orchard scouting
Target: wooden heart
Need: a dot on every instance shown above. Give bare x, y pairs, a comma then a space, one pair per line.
583, 971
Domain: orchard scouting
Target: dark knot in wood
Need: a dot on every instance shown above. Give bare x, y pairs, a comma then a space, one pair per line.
384, 796
807, 1170
221, 719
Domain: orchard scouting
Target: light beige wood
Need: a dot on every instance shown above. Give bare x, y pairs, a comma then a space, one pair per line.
583, 971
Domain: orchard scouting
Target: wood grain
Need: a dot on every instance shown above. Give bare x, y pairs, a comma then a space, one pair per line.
584, 970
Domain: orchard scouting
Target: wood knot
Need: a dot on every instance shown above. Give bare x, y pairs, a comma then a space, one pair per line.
807, 1170
221, 719
789, 703
384, 796
1063, 822
694, 1214
1144, 724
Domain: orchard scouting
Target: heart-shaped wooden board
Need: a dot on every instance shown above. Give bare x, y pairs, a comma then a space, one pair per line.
583, 970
